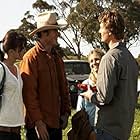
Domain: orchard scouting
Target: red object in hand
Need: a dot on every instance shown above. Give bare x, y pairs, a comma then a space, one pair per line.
84, 87
94, 89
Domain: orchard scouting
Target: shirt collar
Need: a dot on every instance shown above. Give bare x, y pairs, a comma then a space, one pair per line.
41, 47
114, 45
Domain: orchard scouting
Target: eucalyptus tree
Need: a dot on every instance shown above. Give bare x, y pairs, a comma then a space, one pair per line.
83, 26
82, 19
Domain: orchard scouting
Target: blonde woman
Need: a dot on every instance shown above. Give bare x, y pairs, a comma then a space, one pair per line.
94, 59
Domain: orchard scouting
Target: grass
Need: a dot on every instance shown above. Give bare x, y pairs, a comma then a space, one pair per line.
135, 134
68, 127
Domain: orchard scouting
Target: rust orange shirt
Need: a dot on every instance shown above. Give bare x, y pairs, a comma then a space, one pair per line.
45, 89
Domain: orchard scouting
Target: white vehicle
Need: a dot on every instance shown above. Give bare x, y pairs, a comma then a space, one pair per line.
76, 71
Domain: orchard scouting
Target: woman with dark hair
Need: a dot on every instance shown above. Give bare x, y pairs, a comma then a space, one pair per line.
12, 47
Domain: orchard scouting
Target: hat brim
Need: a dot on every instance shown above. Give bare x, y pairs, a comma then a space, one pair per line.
48, 27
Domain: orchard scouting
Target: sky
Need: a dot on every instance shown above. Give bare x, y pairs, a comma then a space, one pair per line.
12, 11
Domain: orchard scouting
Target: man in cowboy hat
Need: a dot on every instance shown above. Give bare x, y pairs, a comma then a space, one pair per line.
45, 90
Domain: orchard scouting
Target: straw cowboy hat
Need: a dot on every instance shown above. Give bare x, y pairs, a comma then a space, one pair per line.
46, 21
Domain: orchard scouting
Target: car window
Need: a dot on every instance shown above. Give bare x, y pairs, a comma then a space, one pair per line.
77, 68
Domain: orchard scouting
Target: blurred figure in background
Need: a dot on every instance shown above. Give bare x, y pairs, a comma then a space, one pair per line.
12, 48
116, 94
94, 59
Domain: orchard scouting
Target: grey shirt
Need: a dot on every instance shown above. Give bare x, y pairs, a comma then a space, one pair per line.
117, 92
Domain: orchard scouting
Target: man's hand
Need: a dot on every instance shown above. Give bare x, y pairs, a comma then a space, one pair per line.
41, 130
64, 121
92, 136
88, 94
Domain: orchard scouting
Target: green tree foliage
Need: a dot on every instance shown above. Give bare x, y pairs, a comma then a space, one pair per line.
26, 27
41, 6
83, 21
85, 14
82, 18
64, 52
29, 24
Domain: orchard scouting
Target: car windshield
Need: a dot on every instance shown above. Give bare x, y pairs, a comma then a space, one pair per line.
77, 68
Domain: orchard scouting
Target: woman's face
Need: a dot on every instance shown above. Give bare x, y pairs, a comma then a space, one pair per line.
105, 34
19, 53
94, 61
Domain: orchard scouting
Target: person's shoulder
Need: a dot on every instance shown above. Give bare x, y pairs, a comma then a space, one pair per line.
2, 67
107, 56
111, 53
30, 53
109, 59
